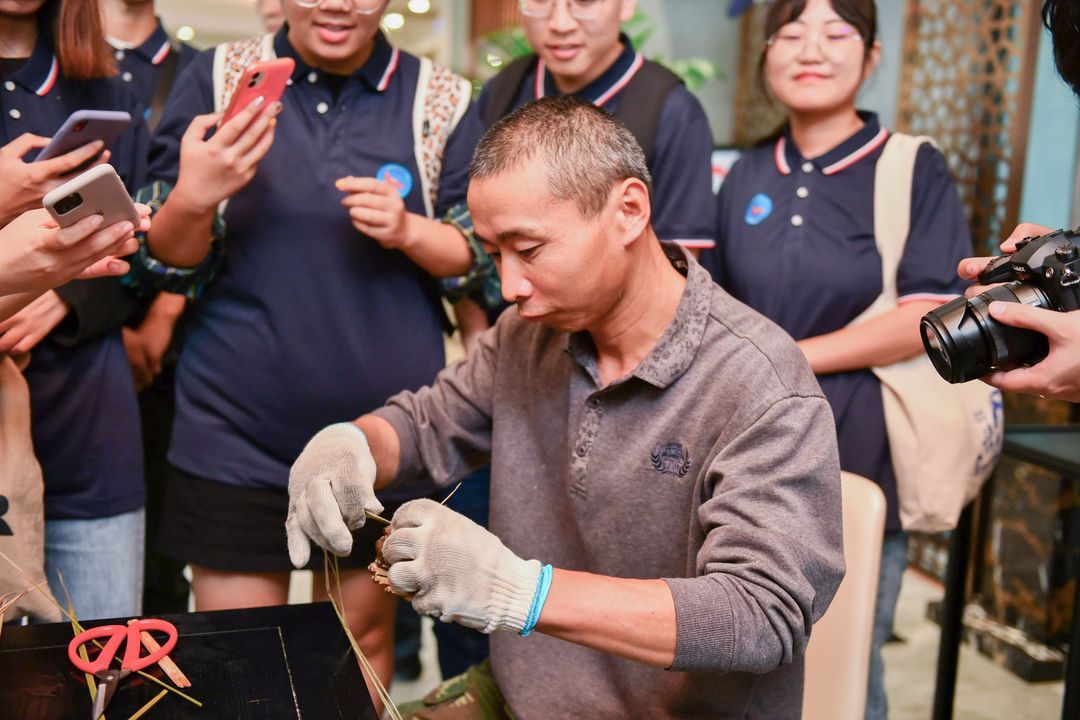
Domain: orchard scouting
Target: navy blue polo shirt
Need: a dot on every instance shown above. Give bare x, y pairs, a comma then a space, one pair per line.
83, 407
796, 242
683, 207
309, 322
140, 66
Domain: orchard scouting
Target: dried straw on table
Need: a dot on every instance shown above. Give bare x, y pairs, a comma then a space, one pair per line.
79, 628
330, 570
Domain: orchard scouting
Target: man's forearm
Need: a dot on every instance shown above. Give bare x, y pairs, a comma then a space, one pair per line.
634, 619
384, 446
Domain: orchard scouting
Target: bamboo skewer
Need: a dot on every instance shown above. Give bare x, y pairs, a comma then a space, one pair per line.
166, 663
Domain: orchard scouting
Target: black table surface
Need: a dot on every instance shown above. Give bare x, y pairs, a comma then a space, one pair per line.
1055, 447
278, 662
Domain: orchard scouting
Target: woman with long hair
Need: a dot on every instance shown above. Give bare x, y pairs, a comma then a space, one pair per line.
796, 241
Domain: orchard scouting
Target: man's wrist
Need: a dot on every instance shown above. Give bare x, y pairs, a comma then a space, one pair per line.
543, 586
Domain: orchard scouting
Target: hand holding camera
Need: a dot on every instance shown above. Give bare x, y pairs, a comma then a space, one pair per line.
1023, 334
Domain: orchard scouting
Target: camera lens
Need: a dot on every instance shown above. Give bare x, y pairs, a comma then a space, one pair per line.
255, 79
79, 126
965, 343
68, 203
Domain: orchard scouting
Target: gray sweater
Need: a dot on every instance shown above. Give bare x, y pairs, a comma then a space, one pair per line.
713, 466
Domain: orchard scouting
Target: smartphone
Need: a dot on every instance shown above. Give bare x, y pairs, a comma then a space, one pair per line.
86, 126
267, 78
98, 191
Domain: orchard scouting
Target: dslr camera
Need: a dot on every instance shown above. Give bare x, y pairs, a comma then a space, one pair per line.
965, 343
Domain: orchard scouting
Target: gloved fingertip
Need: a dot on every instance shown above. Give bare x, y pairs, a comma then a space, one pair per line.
299, 553
341, 546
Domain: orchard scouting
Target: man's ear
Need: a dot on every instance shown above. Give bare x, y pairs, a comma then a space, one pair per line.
629, 7
633, 208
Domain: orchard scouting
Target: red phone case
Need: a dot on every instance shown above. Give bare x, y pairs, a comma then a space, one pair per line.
267, 78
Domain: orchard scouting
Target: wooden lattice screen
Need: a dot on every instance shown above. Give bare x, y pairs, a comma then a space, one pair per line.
488, 15
966, 80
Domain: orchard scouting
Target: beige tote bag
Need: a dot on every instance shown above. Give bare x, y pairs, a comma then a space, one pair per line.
945, 439
22, 522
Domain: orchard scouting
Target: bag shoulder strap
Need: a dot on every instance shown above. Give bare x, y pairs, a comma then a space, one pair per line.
503, 89
641, 103
442, 98
231, 58
166, 78
893, 179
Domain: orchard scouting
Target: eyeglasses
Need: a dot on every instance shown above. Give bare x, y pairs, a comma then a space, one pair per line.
361, 7
578, 9
833, 41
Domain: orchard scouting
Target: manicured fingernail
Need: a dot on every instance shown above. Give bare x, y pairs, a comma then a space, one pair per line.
96, 220
340, 183
276, 108
259, 101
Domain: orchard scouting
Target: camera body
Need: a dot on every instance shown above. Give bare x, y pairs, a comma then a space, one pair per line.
965, 343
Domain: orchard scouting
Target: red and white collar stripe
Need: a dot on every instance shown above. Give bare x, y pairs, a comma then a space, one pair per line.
615, 89
50, 79
780, 154
162, 52
391, 68
859, 154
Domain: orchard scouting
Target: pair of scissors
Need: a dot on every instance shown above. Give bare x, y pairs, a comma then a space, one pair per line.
100, 667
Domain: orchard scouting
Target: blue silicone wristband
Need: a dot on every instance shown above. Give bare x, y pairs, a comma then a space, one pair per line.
542, 588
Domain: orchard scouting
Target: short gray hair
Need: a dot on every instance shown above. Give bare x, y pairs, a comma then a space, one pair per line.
586, 150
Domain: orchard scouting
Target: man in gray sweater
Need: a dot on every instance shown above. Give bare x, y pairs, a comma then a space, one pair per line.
665, 497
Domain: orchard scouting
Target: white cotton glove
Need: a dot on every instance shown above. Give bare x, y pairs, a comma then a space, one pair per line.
458, 571
331, 484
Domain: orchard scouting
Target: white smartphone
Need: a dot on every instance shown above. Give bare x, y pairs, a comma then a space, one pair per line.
98, 191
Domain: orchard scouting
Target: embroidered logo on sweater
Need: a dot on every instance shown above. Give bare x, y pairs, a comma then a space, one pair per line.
671, 459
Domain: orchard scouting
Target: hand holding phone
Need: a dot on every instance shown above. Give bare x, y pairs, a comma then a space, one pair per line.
98, 191
265, 78
23, 184
85, 126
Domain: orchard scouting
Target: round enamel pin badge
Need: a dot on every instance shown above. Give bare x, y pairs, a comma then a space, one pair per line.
396, 175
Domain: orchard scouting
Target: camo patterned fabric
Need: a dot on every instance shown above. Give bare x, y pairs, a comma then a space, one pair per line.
472, 695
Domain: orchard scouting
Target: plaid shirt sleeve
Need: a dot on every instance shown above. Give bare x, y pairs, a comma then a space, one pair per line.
149, 275
481, 282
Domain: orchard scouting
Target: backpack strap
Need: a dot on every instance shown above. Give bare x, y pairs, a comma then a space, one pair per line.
503, 90
166, 78
893, 179
641, 103
230, 60
442, 98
